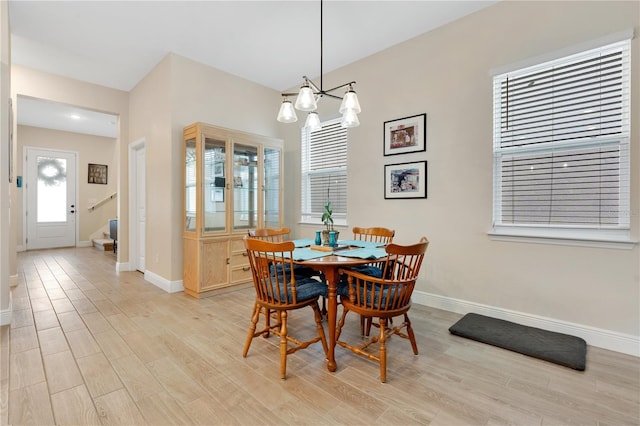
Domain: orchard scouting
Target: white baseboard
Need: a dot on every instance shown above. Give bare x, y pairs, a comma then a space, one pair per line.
163, 283
606, 339
5, 314
84, 244
123, 267
13, 280
155, 279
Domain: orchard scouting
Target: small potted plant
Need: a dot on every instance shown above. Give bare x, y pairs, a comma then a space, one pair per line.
327, 220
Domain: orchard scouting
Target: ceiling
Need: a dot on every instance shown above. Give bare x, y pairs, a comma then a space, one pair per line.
272, 43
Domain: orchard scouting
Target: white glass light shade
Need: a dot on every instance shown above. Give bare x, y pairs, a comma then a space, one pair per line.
306, 101
350, 101
313, 121
287, 113
349, 119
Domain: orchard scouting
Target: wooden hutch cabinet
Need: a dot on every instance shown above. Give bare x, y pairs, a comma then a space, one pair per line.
232, 182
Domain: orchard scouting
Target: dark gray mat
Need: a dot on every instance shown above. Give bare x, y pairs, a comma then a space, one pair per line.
563, 349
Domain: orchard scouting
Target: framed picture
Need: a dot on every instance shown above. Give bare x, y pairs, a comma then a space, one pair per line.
97, 173
217, 195
405, 135
405, 180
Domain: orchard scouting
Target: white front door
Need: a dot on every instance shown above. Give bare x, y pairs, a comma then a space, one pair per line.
50, 184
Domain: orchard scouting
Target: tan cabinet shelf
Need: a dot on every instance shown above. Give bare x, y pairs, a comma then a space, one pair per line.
232, 183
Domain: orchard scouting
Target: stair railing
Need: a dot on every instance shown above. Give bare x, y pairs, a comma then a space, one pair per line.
101, 202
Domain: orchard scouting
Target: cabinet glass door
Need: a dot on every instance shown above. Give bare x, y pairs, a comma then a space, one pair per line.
245, 187
214, 185
272, 184
190, 185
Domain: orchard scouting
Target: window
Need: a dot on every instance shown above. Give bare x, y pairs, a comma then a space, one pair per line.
561, 147
324, 172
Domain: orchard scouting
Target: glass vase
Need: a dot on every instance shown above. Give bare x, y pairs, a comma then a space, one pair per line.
332, 238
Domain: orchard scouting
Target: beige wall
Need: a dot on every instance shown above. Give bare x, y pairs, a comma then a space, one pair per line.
446, 74
179, 92
6, 250
150, 112
28, 82
90, 149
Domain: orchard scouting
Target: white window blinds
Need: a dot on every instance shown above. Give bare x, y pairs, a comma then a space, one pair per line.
561, 142
324, 171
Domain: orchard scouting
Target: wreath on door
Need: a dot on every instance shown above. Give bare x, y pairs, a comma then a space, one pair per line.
51, 171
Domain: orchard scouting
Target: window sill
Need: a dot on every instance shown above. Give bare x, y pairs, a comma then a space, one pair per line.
338, 223
522, 237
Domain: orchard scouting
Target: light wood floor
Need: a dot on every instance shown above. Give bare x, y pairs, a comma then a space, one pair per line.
89, 346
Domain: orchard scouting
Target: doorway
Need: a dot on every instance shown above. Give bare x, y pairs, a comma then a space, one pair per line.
50, 185
137, 205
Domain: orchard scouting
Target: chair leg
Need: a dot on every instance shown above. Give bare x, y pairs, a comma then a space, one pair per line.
324, 307
368, 322
318, 317
341, 322
412, 337
252, 329
383, 350
267, 315
283, 345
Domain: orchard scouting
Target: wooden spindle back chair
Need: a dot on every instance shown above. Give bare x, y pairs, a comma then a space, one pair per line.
274, 235
383, 298
278, 235
376, 234
278, 291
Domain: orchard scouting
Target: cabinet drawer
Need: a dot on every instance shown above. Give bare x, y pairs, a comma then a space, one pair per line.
241, 274
239, 259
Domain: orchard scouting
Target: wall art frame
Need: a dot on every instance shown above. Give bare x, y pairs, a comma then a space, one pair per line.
97, 173
405, 180
217, 195
405, 135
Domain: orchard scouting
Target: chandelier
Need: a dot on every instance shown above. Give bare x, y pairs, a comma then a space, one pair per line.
310, 94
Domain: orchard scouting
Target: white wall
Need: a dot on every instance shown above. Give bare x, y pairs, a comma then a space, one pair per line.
446, 74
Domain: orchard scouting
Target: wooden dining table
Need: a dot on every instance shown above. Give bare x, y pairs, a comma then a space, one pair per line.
329, 265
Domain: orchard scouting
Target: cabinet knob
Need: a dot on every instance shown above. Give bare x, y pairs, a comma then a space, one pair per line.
246, 268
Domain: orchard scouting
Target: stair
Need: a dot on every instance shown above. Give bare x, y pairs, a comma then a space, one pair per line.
104, 244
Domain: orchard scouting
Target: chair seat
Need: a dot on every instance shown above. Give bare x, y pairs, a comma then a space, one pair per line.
371, 296
299, 271
306, 288
372, 271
